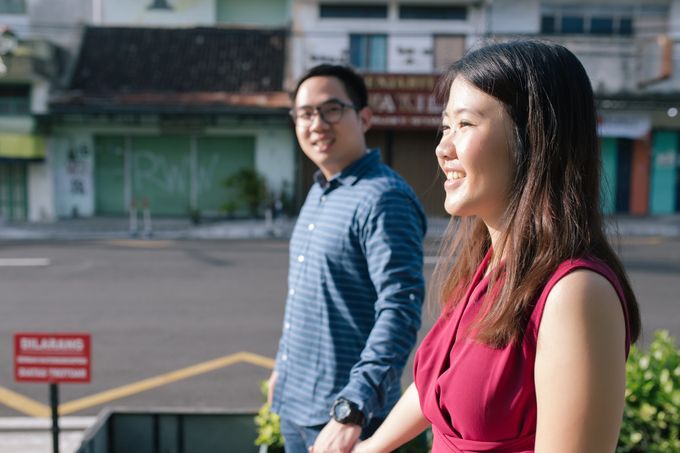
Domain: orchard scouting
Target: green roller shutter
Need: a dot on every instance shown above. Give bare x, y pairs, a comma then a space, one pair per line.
109, 173
664, 175
161, 171
609, 170
218, 158
13, 191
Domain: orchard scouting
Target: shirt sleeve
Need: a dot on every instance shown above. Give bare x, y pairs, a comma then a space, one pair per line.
392, 237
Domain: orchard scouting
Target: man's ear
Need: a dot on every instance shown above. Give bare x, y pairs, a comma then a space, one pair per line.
365, 116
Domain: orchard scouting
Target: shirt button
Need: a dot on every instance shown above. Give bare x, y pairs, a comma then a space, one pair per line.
311, 227
301, 258
323, 198
287, 326
291, 291
284, 357
412, 296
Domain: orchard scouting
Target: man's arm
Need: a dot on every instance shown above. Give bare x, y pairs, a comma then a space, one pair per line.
392, 238
393, 241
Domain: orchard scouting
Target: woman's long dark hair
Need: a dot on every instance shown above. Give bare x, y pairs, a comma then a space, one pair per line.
553, 211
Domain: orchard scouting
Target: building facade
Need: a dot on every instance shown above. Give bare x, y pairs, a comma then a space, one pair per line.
627, 47
182, 108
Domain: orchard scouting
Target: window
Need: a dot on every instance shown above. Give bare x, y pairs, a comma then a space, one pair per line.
12, 7
15, 99
368, 52
602, 25
159, 4
352, 11
626, 26
447, 49
572, 24
548, 25
609, 19
434, 12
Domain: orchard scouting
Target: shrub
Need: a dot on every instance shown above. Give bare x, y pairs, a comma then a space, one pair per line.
249, 189
268, 424
651, 419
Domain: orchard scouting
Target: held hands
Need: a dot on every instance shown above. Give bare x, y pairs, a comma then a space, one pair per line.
336, 438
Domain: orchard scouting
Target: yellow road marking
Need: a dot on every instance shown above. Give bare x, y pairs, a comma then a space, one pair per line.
23, 404
163, 379
259, 360
35, 409
140, 243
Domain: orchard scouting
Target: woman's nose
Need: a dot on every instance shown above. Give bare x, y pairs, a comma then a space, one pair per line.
445, 149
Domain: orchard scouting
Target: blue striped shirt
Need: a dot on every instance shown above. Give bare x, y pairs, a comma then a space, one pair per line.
355, 291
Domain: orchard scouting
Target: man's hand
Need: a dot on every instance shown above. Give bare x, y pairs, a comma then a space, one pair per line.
336, 438
270, 386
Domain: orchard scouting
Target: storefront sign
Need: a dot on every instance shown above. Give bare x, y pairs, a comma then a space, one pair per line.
624, 124
403, 101
52, 357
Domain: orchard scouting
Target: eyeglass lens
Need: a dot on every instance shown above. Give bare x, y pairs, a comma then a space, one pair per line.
330, 112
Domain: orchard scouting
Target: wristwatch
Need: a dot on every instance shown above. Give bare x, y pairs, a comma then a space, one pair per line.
346, 412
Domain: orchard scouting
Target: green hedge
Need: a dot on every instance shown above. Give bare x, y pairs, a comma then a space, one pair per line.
651, 419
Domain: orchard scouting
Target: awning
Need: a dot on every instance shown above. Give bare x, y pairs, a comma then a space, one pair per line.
22, 146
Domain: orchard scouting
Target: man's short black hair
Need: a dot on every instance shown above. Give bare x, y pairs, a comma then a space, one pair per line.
354, 84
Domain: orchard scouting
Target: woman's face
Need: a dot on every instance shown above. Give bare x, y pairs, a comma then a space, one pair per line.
475, 153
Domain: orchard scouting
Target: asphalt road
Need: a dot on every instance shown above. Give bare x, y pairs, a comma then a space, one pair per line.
181, 312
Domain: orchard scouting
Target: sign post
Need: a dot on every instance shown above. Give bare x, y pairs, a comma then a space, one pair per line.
52, 358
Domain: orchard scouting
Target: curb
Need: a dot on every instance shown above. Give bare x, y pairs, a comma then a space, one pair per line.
31, 424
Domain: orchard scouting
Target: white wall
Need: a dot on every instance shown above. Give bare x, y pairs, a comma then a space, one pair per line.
313, 36
40, 193
275, 157
410, 54
40, 91
59, 21
73, 178
136, 12
514, 16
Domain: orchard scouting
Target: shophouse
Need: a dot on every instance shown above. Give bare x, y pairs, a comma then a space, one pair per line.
402, 46
165, 100
28, 65
157, 102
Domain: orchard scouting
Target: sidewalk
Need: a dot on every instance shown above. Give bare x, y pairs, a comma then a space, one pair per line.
33, 435
97, 228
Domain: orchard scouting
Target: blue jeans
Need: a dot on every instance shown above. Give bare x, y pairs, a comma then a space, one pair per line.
298, 438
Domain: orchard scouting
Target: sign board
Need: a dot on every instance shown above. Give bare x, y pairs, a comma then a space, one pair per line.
52, 357
403, 101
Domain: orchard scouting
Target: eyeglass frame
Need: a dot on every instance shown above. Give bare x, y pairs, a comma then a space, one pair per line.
316, 111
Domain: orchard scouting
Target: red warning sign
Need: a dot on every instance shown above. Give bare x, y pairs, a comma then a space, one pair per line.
52, 357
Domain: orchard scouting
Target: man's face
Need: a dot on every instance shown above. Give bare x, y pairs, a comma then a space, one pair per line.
328, 127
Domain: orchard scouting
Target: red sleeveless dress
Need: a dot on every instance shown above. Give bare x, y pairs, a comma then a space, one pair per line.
481, 399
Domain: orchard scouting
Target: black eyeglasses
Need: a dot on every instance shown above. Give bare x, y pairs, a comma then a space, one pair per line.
330, 112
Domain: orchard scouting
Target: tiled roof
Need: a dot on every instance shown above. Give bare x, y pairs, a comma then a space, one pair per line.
116, 61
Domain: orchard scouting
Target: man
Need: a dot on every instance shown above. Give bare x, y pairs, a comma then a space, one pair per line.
355, 275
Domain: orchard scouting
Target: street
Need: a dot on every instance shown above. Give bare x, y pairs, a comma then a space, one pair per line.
184, 311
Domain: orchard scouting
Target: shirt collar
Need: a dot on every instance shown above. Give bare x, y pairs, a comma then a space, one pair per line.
352, 173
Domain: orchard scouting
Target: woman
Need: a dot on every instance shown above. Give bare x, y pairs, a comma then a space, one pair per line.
538, 314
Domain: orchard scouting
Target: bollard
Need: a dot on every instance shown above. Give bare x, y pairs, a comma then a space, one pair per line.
148, 231
134, 229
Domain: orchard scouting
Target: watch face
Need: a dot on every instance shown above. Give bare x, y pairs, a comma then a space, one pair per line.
342, 410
